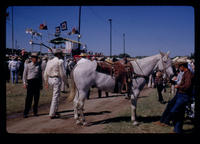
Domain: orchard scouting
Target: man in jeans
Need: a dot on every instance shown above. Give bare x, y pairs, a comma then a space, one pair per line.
176, 109
14, 67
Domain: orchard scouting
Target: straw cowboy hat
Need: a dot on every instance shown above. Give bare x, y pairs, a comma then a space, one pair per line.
109, 60
175, 59
83, 54
34, 54
182, 61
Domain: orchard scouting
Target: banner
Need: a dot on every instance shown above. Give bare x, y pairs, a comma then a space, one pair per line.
57, 31
43, 27
63, 26
33, 33
74, 31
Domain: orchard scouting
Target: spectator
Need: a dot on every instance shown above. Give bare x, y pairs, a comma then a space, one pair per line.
32, 79
14, 68
159, 86
7, 69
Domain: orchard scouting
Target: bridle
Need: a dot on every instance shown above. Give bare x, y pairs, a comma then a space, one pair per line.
165, 66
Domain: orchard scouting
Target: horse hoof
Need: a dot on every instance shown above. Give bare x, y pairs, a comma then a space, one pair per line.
85, 124
76, 117
135, 123
78, 122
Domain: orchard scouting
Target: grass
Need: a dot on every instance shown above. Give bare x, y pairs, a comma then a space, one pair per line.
16, 94
149, 110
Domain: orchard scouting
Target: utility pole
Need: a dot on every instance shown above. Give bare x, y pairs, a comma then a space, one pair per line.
110, 37
31, 40
124, 43
79, 29
16, 47
41, 45
12, 32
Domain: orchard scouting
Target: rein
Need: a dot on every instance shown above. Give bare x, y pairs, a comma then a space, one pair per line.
139, 67
164, 68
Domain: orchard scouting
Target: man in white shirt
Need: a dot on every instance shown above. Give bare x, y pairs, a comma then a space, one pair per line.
54, 73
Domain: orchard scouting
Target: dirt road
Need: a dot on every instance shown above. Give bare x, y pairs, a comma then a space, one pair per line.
98, 113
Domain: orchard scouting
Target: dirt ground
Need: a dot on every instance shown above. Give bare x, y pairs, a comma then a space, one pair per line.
97, 111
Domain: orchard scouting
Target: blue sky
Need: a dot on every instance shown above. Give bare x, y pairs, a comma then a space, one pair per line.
148, 29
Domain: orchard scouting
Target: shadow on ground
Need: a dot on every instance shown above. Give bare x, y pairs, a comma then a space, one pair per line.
86, 114
141, 119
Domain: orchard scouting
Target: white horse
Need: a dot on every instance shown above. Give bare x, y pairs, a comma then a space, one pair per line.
85, 75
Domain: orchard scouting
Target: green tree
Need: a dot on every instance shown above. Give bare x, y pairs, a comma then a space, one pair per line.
122, 55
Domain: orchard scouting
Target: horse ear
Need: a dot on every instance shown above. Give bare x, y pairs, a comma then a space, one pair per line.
168, 53
162, 54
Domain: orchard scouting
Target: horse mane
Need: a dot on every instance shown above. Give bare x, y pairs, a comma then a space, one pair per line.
147, 58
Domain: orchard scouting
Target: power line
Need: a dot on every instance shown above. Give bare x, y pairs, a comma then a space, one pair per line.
115, 27
97, 15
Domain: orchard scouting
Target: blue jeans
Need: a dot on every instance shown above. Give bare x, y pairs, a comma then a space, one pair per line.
177, 112
14, 76
171, 103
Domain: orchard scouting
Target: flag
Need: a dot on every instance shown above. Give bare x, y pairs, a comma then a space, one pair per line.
57, 31
29, 31
63, 25
74, 31
43, 27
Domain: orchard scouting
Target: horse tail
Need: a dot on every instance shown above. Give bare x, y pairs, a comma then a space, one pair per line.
72, 89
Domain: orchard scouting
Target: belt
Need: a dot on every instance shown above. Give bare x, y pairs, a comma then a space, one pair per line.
54, 76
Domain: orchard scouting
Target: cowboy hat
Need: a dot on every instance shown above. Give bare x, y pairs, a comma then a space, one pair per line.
83, 54
34, 54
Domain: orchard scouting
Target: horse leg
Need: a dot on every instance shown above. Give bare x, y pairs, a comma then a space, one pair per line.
172, 89
81, 101
150, 81
134, 96
76, 107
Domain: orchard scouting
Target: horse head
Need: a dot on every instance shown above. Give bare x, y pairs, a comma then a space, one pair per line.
165, 64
